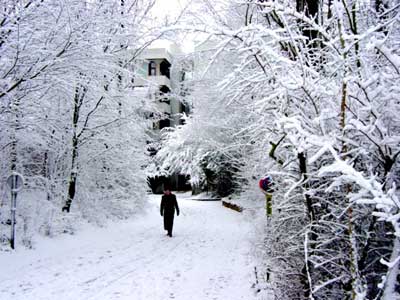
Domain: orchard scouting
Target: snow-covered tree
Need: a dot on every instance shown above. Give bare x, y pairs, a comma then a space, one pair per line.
311, 99
70, 120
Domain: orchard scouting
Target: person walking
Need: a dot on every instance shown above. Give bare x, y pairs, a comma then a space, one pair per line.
167, 209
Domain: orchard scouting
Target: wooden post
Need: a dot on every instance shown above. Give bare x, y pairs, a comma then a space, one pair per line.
268, 204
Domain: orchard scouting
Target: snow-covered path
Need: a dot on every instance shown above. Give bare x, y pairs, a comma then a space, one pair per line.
208, 258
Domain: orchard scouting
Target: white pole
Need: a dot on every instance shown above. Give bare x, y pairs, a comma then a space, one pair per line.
13, 208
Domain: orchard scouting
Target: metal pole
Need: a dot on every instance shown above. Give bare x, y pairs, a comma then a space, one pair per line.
268, 204
13, 209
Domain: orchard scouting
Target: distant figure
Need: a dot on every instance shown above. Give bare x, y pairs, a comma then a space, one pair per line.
167, 209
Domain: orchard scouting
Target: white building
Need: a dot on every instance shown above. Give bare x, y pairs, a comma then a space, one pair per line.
163, 88
155, 72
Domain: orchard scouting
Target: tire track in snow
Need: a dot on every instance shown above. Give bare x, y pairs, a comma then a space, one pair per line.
203, 261
147, 262
144, 261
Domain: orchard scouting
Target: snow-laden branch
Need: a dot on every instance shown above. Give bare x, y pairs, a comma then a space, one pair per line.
387, 209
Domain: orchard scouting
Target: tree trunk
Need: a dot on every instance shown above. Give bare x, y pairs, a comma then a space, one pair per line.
303, 172
393, 272
310, 9
72, 178
13, 136
45, 173
75, 151
311, 216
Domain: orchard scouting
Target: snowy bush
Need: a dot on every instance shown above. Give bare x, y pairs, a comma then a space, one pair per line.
70, 120
310, 96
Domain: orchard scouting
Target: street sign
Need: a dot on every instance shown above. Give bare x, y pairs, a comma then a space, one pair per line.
15, 181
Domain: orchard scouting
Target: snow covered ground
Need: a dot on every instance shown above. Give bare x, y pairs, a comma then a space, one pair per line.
208, 258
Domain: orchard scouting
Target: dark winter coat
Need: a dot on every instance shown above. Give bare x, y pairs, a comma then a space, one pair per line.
167, 209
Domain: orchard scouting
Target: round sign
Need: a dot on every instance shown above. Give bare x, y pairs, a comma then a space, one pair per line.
15, 181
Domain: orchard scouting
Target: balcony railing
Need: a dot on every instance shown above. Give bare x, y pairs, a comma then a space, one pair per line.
164, 107
157, 80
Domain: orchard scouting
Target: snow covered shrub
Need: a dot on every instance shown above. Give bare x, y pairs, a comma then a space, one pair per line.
311, 97
70, 122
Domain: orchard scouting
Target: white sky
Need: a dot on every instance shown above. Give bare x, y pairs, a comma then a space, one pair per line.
170, 9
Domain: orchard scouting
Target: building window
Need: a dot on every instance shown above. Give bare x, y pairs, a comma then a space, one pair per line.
152, 68
164, 94
165, 123
164, 68
164, 89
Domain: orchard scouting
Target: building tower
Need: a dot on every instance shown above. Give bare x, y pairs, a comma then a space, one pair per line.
155, 75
